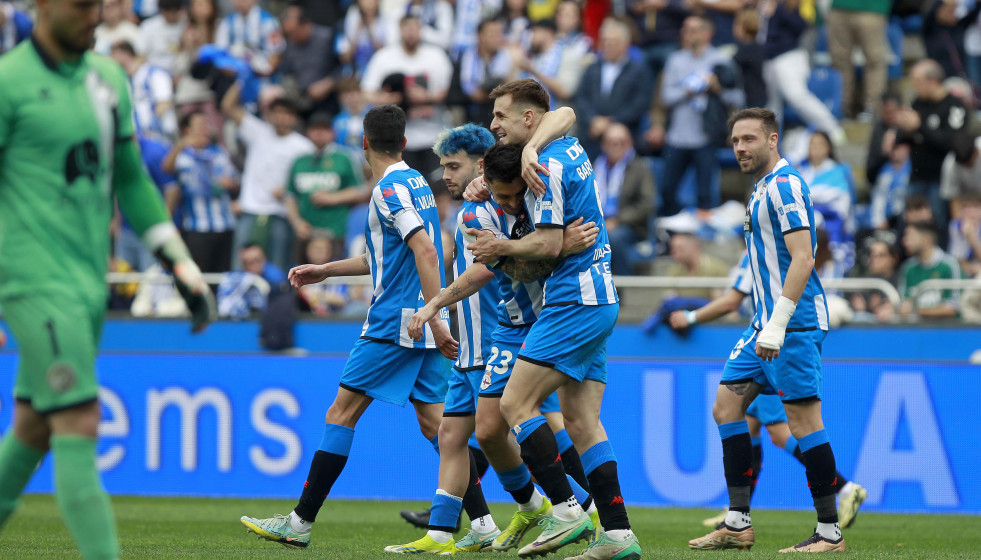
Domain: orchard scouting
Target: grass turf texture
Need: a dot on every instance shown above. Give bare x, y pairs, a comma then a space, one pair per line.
209, 528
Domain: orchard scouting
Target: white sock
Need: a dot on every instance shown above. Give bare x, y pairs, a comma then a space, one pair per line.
738, 519
298, 524
442, 537
568, 510
619, 535
830, 531
483, 525
534, 503
847, 489
592, 508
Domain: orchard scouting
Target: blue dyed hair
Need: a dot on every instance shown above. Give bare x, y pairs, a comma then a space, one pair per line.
469, 138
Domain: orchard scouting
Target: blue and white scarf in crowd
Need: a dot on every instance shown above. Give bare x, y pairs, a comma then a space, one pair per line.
609, 181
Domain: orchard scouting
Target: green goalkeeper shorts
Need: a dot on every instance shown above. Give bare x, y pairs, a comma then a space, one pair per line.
58, 335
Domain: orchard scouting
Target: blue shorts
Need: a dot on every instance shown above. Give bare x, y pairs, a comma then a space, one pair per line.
572, 339
507, 344
394, 374
767, 409
461, 396
796, 373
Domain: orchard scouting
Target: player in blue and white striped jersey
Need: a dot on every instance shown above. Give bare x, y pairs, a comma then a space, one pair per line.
789, 328
405, 261
568, 342
766, 410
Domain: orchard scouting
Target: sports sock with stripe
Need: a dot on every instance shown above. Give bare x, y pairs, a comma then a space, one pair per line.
819, 462
737, 458
443, 514
572, 464
540, 452
474, 502
757, 463
328, 463
600, 465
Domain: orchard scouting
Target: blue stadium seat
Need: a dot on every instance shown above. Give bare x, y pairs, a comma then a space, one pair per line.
825, 83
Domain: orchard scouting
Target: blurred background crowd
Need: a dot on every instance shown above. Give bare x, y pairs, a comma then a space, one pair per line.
249, 115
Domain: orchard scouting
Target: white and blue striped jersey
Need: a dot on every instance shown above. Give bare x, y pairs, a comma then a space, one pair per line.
402, 205
742, 276
255, 37
152, 87
477, 315
520, 302
585, 278
205, 205
781, 204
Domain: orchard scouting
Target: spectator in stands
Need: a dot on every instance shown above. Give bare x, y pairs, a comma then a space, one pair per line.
962, 177
153, 93
128, 246
965, 235
860, 23
696, 89
787, 68
943, 34
15, 26
247, 289
932, 127
890, 189
568, 22
625, 184
830, 184
206, 179
366, 31
927, 261
659, 23
349, 122
309, 62
192, 94
483, 67
323, 186
144, 9
436, 17
542, 61
689, 260
883, 262
750, 56
723, 14
615, 88
160, 36
254, 35
115, 27
972, 47
272, 145
416, 76
322, 299
254, 261
515, 16
884, 133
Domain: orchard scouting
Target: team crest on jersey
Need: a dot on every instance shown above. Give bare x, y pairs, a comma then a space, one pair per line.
61, 377
82, 161
485, 382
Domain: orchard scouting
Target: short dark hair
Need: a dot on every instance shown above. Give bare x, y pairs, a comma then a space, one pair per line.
546, 23
524, 92
384, 127
284, 103
484, 22
917, 202
502, 163
891, 96
252, 245
927, 227
767, 118
186, 119
407, 18
827, 140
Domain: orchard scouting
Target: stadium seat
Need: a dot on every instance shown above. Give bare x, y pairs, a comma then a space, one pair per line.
825, 83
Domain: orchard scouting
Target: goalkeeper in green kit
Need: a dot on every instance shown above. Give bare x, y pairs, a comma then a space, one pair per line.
67, 150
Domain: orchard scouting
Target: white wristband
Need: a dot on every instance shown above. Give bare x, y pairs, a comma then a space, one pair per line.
691, 317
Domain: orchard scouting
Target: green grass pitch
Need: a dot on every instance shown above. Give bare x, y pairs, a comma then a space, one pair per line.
209, 529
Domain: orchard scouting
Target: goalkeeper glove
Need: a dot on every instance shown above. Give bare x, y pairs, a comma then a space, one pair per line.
176, 259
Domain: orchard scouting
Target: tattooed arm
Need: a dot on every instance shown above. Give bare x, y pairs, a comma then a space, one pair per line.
475, 277
528, 270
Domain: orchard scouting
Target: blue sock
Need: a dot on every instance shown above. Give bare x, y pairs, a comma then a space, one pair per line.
596, 455
445, 511
435, 441
337, 439
577, 490
525, 429
791, 445
757, 440
565, 442
812, 440
731, 429
515, 479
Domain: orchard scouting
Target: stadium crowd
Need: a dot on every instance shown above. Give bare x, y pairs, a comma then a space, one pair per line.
249, 116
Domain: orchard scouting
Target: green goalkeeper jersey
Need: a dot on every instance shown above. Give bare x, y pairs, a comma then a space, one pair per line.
59, 125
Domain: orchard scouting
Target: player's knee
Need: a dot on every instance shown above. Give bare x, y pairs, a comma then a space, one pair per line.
452, 434
340, 415
724, 412
514, 409
489, 435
